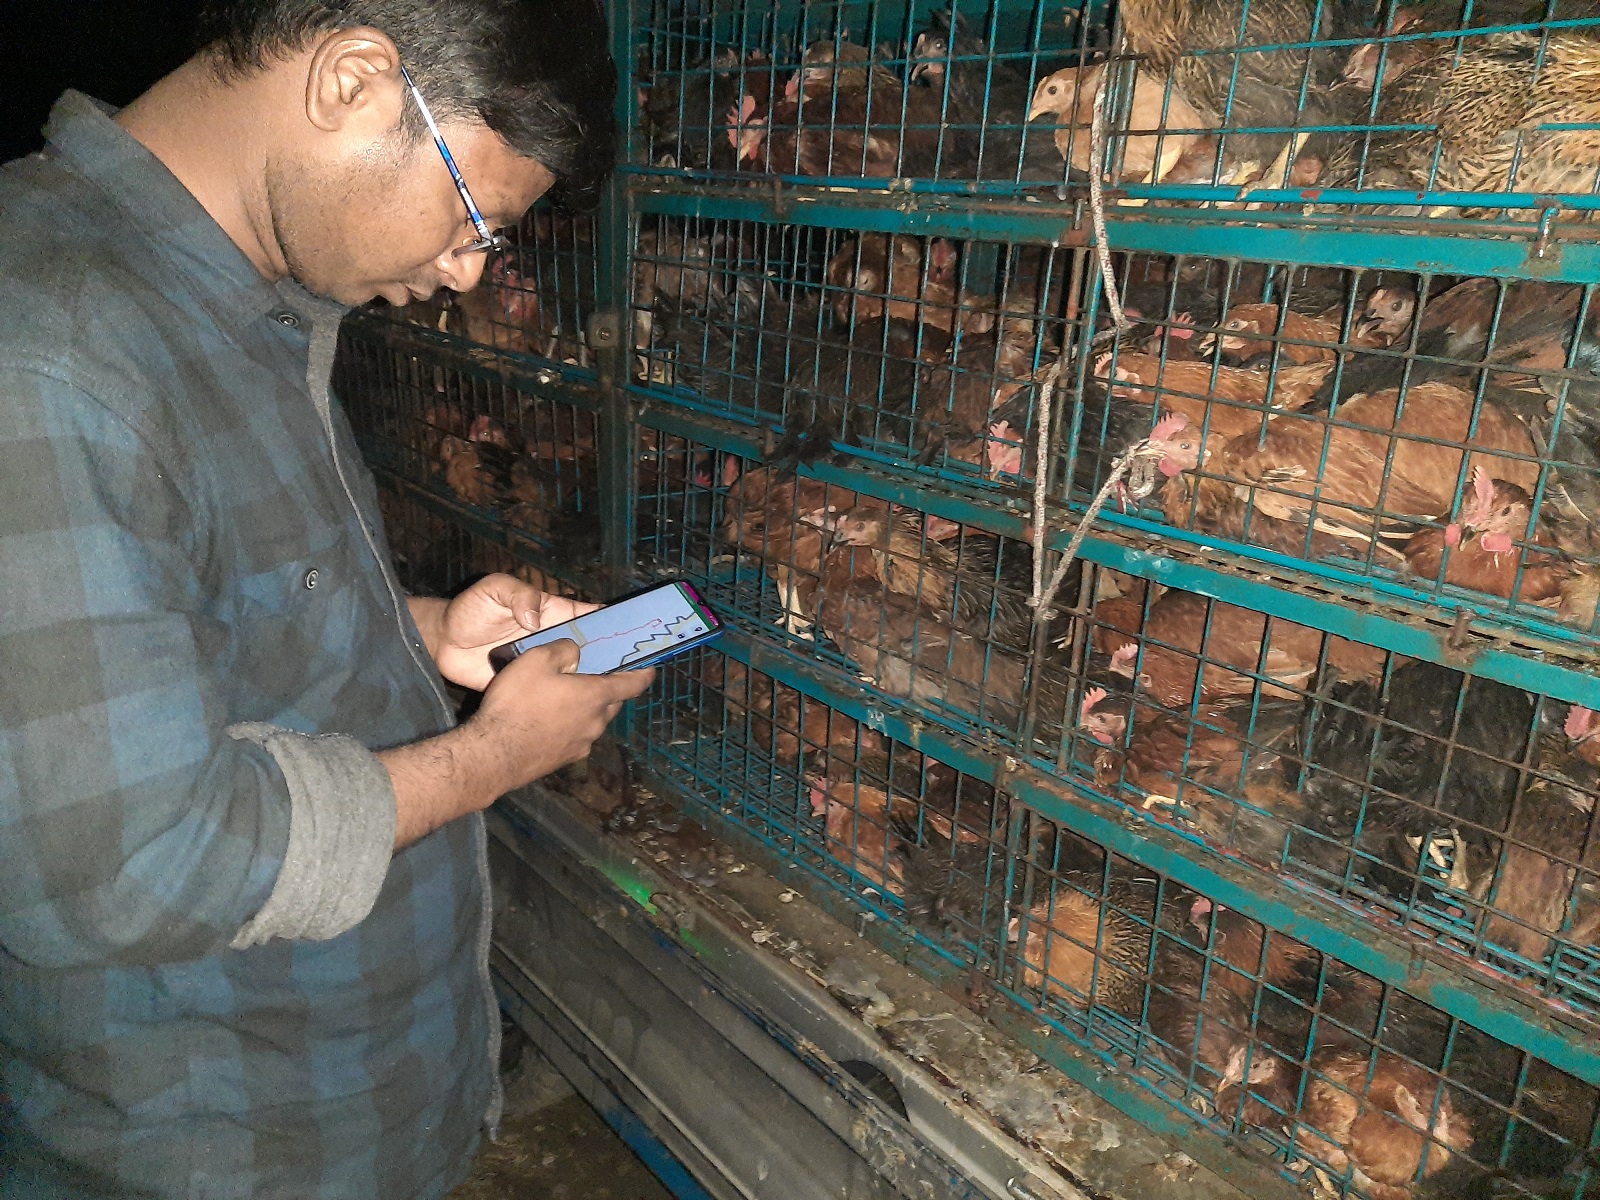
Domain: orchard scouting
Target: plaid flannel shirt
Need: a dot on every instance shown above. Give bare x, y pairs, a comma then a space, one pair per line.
201, 644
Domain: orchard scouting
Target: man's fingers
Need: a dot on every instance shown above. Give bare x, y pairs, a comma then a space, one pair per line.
629, 684
556, 609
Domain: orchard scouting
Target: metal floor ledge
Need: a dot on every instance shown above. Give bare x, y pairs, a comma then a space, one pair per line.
690, 1012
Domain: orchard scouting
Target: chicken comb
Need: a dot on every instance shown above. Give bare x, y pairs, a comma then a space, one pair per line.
1578, 723
1125, 654
1167, 426
1482, 486
1090, 698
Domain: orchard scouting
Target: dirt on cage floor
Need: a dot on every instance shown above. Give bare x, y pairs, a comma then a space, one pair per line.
553, 1146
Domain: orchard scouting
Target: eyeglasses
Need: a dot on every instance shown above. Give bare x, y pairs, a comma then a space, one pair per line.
487, 239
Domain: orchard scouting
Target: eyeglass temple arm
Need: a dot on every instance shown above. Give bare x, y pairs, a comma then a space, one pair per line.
478, 223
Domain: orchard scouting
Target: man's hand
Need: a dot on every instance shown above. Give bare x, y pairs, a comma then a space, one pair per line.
495, 610
541, 715
537, 716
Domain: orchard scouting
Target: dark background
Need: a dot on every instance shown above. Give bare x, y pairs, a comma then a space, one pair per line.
112, 49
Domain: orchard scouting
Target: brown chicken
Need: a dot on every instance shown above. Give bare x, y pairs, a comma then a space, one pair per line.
1149, 154
908, 558
1483, 551
1494, 113
878, 271
1550, 865
1234, 399
1238, 644
1246, 955
1085, 951
1385, 1130
1249, 330
767, 512
1580, 599
1584, 731
857, 818
1354, 480
839, 115
1163, 750
777, 517
906, 648
484, 470
1386, 317
504, 312
959, 398
1259, 90
904, 559
1392, 59
788, 722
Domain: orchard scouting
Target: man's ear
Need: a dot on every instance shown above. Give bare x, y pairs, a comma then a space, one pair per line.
354, 78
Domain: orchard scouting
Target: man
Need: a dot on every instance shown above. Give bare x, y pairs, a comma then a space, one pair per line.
243, 905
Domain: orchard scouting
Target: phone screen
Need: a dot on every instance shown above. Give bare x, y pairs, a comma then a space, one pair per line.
635, 632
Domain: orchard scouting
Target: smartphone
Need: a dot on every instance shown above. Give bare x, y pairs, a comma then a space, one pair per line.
637, 631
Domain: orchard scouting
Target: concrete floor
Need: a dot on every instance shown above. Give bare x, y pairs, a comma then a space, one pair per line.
553, 1146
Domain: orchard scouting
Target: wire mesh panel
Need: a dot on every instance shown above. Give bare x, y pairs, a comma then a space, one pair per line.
1433, 432
1460, 106
896, 347
1457, 807
515, 466
1297, 1056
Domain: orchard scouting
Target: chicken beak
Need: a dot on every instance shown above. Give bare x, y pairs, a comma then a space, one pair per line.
1206, 343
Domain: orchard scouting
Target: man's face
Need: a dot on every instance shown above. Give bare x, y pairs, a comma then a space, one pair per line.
382, 219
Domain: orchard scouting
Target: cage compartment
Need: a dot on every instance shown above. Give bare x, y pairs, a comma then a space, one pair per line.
902, 349
1428, 432
533, 299
1460, 107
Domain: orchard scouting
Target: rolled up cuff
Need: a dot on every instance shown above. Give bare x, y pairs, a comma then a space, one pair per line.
341, 835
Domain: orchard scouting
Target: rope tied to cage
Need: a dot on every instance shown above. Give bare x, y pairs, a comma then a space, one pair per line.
1133, 473
1041, 446
1097, 201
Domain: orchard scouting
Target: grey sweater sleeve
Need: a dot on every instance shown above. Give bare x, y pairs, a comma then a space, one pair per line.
341, 835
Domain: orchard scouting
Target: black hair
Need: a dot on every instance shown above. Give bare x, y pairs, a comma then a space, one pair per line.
537, 72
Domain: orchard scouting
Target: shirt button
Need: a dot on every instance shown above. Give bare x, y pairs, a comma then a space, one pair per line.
286, 318
311, 579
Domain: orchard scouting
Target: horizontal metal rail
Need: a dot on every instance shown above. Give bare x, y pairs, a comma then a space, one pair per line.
1508, 250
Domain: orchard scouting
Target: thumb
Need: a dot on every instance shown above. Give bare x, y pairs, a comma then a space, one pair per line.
522, 599
559, 656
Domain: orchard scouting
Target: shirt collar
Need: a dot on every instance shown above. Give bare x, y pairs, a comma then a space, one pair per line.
82, 132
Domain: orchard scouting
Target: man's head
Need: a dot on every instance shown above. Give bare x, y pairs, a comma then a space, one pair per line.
359, 200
